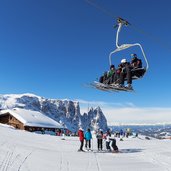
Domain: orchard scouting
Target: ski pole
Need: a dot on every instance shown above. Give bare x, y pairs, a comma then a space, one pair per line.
92, 144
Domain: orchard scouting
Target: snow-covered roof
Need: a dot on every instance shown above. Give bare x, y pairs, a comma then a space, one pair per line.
32, 118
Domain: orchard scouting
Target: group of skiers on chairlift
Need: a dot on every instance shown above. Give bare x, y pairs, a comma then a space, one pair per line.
125, 71
110, 141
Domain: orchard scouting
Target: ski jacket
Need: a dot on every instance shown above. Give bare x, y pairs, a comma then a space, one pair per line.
107, 138
81, 135
110, 73
99, 135
136, 63
88, 136
123, 67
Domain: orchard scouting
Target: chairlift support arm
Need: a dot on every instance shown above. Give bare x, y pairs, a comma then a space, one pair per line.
122, 22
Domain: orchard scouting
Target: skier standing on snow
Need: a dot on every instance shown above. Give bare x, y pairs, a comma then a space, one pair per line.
88, 138
111, 142
108, 135
113, 146
81, 137
99, 137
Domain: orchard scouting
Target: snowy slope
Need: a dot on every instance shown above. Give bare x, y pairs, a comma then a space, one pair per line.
65, 111
23, 151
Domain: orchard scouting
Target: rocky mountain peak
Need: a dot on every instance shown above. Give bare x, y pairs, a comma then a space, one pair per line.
65, 111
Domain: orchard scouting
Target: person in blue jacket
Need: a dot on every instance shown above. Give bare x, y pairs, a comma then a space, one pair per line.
88, 138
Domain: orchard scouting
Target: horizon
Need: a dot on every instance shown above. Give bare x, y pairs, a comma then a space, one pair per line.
118, 116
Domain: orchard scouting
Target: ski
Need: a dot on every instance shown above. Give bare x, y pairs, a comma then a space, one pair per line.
115, 87
109, 88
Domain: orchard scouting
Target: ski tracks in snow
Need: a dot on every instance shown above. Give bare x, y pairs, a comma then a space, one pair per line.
12, 158
89, 162
93, 161
97, 162
64, 164
155, 158
24, 160
9, 157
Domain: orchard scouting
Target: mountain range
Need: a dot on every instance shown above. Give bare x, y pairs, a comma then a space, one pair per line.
66, 112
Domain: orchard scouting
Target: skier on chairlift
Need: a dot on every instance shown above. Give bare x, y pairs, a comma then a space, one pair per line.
103, 78
136, 65
135, 61
108, 77
125, 74
111, 74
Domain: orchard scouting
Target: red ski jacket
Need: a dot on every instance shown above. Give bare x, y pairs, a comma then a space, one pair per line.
81, 135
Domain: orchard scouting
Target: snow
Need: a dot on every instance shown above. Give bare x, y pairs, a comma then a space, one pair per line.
32, 118
23, 151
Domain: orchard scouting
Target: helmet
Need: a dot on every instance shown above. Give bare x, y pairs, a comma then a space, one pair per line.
123, 61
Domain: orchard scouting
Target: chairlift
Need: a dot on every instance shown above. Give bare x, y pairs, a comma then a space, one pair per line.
104, 87
121, 22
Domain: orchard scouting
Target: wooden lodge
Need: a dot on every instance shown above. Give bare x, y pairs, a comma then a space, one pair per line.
35, 121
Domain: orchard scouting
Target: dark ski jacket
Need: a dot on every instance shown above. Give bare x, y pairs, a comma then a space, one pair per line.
136, 63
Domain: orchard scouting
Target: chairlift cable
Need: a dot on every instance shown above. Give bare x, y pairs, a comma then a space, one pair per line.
155, 39
104, 10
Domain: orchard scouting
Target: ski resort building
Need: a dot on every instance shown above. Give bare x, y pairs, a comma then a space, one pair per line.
28, 120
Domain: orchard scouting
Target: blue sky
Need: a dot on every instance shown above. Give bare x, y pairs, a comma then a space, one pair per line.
52, 48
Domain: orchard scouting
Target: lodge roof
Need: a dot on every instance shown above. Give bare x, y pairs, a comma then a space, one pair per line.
32, 118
